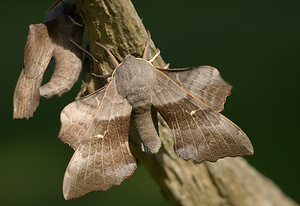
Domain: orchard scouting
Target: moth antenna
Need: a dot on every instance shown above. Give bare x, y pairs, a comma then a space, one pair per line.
146, 52
155, 56
113, 60
54, 5
101, 75
84, 50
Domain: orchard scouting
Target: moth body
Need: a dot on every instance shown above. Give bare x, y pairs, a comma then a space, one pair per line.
130, 80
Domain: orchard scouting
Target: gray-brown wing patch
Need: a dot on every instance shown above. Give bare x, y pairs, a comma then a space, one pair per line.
203, 82
200, 133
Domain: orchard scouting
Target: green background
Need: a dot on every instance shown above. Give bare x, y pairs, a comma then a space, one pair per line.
255, 46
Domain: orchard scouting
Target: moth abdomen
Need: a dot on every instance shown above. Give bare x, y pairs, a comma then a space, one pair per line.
144, 126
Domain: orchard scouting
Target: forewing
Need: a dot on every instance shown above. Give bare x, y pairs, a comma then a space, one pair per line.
97, 126
38, 51
37, 54
203, 82
199, 131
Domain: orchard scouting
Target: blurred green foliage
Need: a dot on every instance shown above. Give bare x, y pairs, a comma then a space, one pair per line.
254, 44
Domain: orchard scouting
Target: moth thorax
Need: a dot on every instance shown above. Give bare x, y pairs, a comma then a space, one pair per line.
135, 79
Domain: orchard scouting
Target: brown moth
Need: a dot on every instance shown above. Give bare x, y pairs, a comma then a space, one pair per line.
189, 100
45, 41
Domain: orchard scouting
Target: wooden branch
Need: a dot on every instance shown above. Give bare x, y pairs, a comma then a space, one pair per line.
230, 181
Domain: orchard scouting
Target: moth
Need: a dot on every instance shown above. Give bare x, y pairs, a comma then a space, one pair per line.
46, 41
189, 100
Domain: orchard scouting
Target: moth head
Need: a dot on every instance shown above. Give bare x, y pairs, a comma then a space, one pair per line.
132, 61
129, 57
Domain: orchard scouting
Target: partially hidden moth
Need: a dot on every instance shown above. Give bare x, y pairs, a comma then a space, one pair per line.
45, 41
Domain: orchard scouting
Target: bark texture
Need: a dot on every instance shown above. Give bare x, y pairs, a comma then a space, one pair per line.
229, 181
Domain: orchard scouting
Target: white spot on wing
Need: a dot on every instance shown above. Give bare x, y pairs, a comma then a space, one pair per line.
193, 112
99, 136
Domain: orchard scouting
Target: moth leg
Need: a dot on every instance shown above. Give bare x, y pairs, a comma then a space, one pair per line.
84, 50
75, 22
105, 76
111, 57
72, 10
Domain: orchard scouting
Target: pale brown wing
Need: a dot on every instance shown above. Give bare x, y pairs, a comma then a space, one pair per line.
203, 82
199, 131
97, 126
37, 55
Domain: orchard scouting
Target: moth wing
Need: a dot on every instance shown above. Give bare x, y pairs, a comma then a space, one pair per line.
97, 126
203, 82
37, 55
38, 51
200, 133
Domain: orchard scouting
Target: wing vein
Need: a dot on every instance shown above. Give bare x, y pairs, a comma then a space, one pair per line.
219, 97
195, 146
232, 136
